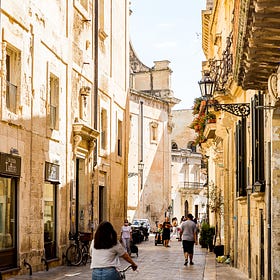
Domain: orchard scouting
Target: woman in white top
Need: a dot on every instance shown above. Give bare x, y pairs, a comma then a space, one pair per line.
126, 236
105, 251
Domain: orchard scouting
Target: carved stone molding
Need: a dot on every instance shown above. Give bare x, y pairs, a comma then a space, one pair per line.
272, 85
83, 138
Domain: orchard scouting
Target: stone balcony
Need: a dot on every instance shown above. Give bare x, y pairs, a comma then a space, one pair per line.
256, 38
190, 187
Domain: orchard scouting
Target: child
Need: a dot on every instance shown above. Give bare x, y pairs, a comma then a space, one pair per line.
159, 232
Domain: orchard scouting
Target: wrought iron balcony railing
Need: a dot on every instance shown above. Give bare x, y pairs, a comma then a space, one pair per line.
191, 185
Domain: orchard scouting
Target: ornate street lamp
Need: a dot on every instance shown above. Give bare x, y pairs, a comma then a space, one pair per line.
207, 88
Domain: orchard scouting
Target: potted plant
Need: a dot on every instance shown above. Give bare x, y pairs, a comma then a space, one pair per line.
211, 117
207, 233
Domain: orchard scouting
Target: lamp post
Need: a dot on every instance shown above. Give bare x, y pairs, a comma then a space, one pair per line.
140, 171
207, 88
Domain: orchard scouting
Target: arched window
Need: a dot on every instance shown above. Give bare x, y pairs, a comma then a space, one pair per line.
191, 145
174, 146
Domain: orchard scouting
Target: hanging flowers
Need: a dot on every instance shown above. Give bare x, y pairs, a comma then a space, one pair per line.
202, 118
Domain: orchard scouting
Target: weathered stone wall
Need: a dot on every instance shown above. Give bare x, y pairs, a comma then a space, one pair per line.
56, 38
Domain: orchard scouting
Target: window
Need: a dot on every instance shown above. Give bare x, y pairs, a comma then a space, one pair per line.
154, 132
258, 140
103, 128
174, 146
241, 159
12, 74
50, 220
119, 148
54, 102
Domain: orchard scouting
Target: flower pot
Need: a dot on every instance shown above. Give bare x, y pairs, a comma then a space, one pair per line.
211, 121
219, 250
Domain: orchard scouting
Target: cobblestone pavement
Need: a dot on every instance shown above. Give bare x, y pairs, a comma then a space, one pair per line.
154, 262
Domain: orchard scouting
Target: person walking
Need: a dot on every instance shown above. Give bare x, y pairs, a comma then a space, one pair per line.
105, 251
166, 232
189, 238
174, 228
126, 235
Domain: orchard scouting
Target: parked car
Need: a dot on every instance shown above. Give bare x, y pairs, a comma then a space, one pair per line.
140, 230
136, 223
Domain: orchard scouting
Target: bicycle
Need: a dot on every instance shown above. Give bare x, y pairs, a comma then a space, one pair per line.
78, 252
123, 271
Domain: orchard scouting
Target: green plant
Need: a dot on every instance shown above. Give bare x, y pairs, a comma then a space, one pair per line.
207, 233
216, 206
196, 105
211, 116
202, 117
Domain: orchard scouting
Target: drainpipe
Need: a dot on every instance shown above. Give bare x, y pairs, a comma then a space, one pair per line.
249, 189
95, 97
268, 187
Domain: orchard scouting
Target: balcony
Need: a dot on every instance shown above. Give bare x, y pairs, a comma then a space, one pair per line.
256, 37
190, 187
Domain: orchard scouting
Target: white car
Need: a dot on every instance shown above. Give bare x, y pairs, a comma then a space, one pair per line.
136, 223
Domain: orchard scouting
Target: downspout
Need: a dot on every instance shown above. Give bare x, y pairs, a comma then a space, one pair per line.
95, 86
141, 132
31, 118
95, 100
235, 219
249, 230
1, 56
268, 186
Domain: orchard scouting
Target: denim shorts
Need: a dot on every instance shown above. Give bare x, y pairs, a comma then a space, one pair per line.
105, 273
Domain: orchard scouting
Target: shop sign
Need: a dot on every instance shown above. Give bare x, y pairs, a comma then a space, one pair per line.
10, 165
52, 172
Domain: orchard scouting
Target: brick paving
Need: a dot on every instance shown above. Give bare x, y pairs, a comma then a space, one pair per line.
154, 262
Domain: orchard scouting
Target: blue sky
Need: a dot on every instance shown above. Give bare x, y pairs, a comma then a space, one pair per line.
171, 30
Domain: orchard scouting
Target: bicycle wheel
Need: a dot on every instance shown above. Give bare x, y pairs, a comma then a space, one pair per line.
73, 255
85, 254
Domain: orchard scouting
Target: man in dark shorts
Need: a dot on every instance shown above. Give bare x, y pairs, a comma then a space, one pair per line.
189, 238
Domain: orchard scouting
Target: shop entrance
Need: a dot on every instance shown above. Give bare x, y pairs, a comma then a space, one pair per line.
8, 223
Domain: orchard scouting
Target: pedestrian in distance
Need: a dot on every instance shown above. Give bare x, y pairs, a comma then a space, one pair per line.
189, 238
166, 225
105, 251
174, 228
126, 236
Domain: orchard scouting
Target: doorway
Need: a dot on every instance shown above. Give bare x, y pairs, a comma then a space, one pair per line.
8, 223
50, 220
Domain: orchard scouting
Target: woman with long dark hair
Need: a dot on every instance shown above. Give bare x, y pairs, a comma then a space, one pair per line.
105, 251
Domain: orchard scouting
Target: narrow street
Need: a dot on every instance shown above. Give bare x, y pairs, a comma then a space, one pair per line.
155, 262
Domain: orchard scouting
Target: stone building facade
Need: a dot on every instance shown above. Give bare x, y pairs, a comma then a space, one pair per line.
63, 122
187, 191
240, 42
149, 157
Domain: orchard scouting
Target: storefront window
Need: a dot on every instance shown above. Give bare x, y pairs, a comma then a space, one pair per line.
7, 222
50, 220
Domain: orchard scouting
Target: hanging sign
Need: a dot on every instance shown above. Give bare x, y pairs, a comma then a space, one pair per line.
10, 165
